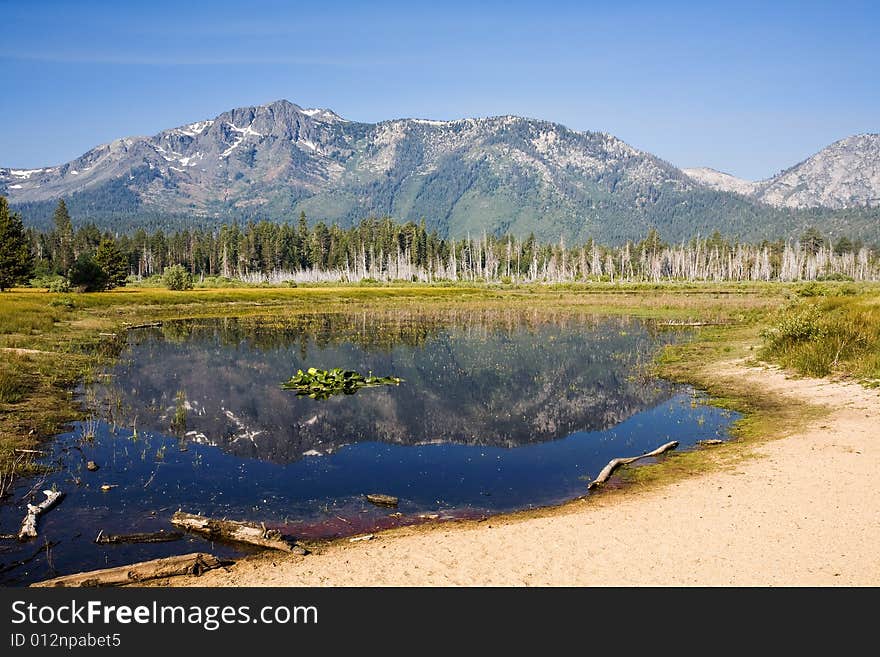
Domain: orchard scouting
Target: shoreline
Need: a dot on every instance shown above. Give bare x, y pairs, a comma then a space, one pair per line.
795, 510
698, 362
53, 340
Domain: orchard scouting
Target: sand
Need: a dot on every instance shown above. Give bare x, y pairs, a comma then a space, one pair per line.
805, 511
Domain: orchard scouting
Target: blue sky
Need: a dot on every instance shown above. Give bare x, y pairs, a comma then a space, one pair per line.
749, 88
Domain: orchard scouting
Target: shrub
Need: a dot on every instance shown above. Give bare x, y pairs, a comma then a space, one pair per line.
220, 282
836, 276
811, 289
63, 302
795, 326
59, 284
177, 278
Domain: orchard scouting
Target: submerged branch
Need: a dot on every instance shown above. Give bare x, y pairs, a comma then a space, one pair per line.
29, 524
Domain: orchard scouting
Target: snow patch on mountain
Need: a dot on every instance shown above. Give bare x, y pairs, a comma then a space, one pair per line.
243, 133
194, 129
321, 114
24, 173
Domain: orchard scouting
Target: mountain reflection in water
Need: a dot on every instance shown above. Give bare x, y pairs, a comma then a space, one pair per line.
475, 378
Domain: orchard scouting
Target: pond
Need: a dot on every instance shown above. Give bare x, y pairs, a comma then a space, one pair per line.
497, 411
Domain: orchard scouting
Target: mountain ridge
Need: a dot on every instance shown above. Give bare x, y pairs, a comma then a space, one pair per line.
493, 174
844, 174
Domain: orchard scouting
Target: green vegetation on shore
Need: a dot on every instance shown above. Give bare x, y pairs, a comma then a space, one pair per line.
828, 334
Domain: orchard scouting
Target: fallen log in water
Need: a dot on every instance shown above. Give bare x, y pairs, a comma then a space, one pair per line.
185, 564
147, 325
381, 500
616, 463
235, 531
29, 524
160, 536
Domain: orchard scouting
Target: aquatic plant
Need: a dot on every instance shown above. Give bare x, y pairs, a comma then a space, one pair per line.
89, 428
321, 384
178, 422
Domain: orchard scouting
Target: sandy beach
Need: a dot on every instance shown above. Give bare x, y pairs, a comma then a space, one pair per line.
804, 511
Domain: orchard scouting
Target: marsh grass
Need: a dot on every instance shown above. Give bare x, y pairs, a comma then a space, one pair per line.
178, 422
15, 382
827, 335
16, 465
28, 317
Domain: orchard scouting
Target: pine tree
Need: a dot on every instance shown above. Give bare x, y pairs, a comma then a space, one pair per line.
112, 262
16, 259
652, 243
844, 245
86, 275
302, 238
812, 240
63, 239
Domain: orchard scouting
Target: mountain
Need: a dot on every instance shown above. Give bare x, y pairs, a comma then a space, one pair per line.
500, 174
845, 174
722, 182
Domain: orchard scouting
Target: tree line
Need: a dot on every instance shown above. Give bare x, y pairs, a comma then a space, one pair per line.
381, 249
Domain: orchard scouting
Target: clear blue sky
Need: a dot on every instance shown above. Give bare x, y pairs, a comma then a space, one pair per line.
749, 88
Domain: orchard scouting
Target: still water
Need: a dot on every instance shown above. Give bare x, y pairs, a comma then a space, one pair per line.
497, 412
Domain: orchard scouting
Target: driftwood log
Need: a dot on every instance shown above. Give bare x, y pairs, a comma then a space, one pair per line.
235, 531
616, 463
185, 564
29, 524
160, 536
684, 324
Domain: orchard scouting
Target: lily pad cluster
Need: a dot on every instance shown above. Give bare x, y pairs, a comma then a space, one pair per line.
321, 384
